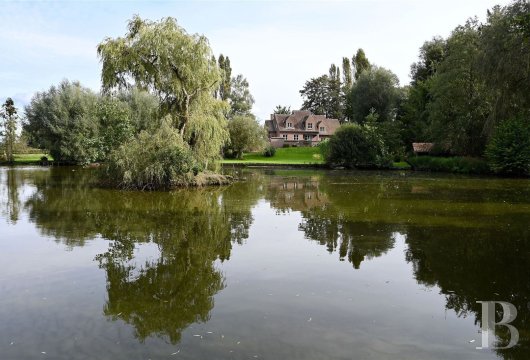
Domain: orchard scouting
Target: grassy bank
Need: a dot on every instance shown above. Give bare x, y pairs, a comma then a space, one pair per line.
294, 156
28, 159
457, 164
283, 156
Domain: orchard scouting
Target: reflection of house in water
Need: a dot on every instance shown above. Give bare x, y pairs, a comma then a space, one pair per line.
296, 194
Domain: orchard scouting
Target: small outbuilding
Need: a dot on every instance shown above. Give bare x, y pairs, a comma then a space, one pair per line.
422, 148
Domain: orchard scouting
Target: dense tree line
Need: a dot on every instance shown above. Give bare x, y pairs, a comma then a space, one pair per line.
466, 86
162, 90
462, 90
78, 126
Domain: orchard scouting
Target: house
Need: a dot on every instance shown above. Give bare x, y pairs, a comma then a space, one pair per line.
422, 148
300, 128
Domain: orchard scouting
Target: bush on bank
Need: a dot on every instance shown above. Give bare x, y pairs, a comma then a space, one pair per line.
457, 164
508, 151
355, 146
153, 160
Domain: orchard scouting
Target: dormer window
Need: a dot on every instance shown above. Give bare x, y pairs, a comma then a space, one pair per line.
322, 129
289, 125
310, 125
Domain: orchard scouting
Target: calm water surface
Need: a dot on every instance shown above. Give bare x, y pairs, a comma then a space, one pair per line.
283, 265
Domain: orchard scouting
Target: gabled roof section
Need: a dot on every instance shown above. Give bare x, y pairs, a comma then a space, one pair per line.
298, 119
422, 147
331, 125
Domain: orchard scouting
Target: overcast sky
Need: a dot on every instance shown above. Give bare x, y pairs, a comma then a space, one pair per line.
276, 45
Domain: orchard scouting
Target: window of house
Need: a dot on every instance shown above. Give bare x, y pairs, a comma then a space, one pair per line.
307, 137
310, 126
284, 136
322, 129
289, 125
295, 137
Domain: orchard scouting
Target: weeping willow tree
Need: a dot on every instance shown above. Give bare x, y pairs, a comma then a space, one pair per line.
179, 68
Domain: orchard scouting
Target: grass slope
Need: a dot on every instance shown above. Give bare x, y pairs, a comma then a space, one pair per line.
283, 156
28, 159
292, 156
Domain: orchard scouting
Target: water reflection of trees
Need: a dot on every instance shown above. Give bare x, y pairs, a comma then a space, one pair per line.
469, 238
478, 264
336, 217
190, 228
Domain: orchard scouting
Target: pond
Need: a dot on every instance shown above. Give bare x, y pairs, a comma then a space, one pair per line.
285, 264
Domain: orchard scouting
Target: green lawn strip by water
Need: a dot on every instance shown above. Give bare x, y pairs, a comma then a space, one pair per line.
456, 164
283, 156
401, 165
27, 159
292, 156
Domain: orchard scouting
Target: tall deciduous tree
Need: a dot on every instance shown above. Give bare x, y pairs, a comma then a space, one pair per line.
461, 104
316, 95
415, 115
9, 117
226, 77
431, 55
246, 134
347, 74
335, 107
279, 109
240, 98
63, 120
360, 63
180, 69
504, 60
375, 89
323, 95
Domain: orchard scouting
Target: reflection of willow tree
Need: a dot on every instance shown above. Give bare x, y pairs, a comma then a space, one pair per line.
190, 228
478, 264
166, 295
335, 216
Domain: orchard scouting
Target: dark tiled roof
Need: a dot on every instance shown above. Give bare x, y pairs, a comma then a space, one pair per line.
332, 125
422, 147
299, 118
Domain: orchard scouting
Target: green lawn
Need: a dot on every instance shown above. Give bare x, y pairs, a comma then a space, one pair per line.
401, 165
293, 156
283, 156
30, 158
